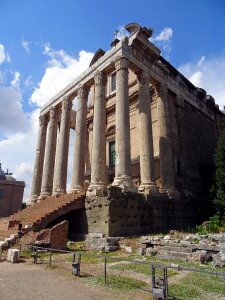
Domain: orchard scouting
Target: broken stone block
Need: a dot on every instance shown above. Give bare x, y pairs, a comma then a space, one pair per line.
13, 255
110, 248
219, 260
3, 244
95, 235
140, 251
202, 256
150, 251
166, 237
127, 249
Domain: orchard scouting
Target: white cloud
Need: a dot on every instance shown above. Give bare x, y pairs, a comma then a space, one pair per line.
196, 78
15, 82
165, 35
2, 54
61, 70
209, 74
26, 46
19, 130
163, 40
12, 116
29, 82
201, 61
121, 32
18, 150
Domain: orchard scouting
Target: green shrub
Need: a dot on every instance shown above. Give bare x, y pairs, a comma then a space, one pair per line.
215, 224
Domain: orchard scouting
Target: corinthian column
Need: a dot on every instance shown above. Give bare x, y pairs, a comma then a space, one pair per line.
123, 157
39, 160
145, 136
98, 186
49, 164
77, 182
165, 148
60, 175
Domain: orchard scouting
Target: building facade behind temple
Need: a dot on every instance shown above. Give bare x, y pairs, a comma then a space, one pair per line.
11, 194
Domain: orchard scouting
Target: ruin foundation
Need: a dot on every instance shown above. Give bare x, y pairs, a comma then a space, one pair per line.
130, 214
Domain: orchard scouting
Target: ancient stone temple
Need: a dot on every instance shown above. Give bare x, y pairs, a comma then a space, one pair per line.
145, 138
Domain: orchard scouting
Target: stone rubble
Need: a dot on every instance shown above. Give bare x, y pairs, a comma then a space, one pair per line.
191, 247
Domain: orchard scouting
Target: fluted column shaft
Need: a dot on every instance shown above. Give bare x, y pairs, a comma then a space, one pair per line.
98, 162
145, 135
122, 142
77, 182
49, 163
60, 177
39, 160
165, 147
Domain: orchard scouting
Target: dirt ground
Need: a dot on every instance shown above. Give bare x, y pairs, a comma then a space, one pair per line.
26, 281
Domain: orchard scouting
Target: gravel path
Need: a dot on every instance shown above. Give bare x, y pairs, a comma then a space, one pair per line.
25, 281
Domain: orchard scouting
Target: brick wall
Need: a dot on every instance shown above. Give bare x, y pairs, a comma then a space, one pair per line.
59, 235
11, 197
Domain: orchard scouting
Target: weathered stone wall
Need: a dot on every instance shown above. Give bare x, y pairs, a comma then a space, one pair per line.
199, 142
132, 214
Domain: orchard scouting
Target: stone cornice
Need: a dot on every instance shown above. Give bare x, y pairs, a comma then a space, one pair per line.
159, 73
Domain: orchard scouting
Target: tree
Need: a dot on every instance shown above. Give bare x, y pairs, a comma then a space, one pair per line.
219, 187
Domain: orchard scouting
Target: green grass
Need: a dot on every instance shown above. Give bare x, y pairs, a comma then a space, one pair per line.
196, 286
141, 269
117, 283
91, 257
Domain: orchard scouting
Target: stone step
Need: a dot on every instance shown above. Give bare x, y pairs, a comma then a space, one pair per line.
178, 249
172, 255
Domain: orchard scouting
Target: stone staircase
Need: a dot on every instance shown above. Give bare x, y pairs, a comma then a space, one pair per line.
175, 251
38, 216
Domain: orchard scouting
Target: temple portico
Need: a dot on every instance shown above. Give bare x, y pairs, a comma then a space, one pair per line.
127, 136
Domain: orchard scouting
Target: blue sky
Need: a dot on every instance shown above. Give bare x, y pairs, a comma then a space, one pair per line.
45, 44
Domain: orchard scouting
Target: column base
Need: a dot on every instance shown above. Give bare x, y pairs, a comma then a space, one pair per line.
32, 200
77, 189
58, 193
149, 188
125, 183
171, 191
96, 189
44, 196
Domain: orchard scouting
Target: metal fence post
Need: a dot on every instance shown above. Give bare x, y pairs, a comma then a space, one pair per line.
50, 258
105, 265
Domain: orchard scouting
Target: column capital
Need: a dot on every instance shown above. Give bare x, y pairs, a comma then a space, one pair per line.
163, 89
82, 92
52, 112
100, 78
43, 120
66, 104
179, 101
122, 63
143, 77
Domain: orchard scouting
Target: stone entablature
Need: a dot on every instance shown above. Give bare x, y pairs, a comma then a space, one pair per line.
149, 99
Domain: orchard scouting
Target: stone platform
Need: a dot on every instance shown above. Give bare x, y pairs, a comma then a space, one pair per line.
130, 214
